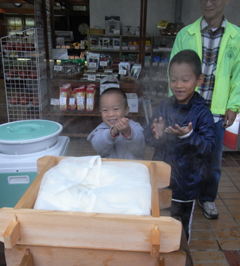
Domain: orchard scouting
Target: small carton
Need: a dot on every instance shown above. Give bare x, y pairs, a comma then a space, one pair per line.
107, 82
116, 43
124, 68
132, 102
112, 25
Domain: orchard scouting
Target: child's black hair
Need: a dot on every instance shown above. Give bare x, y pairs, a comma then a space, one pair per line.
189, 57
116, 91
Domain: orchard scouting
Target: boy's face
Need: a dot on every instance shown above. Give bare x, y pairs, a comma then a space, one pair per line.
183, 81
112, 108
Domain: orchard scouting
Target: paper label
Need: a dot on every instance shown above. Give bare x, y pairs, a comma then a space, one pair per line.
71, 101
92, 64
103, 63
92, 77
57, 68
54, 101
122, 72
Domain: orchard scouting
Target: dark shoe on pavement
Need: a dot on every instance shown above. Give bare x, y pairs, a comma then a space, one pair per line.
209, 209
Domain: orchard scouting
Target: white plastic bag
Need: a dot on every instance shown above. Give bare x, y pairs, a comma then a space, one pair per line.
87, 184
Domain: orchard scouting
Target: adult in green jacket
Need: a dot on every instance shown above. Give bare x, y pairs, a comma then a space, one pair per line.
217, 43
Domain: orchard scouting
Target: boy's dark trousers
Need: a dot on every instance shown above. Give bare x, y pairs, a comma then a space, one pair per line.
183, 210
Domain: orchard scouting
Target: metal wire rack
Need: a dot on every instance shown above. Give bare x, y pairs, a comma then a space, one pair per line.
25, 77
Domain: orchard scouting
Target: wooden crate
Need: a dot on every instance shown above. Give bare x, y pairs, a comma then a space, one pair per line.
43, 237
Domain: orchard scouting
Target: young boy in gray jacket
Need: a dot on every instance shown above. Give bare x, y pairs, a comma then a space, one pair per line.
117, 136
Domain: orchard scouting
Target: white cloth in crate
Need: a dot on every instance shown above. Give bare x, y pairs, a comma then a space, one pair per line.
88, 184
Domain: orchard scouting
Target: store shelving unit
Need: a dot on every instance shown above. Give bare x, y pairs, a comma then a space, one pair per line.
117, 52
84, 122
25, 77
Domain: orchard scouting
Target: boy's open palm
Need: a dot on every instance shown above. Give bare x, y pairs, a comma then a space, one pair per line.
157, 128
123, 126
179, 131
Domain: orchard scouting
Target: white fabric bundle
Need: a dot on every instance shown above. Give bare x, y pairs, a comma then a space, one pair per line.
87, 184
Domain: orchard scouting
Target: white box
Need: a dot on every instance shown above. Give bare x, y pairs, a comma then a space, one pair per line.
109, 81
116, 43
112, 25
132, 102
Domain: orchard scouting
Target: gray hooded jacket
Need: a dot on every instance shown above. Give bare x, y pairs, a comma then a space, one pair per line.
118, 147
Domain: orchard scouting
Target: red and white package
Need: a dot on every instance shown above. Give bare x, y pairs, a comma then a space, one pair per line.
64, 94
90, 93
80, 98
72, 101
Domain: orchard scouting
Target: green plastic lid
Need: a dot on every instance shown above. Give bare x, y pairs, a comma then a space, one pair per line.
28, 131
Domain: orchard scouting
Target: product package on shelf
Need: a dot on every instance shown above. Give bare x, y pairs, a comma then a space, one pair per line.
90, 95
105, 60
93, 60
124, 68
171, 29
107, 82
148, 46
116, 43
132, 102
71, 69
72, 101
112, 25
93, 42
64, 94
80, 93
162, 24
135, 71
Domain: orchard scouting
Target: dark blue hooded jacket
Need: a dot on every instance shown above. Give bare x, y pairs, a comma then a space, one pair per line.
185, 155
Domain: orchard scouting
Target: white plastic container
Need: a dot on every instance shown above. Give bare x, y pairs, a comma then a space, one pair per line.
17, 172
28, 136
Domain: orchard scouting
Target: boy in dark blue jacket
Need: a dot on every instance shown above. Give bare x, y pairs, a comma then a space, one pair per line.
182, 133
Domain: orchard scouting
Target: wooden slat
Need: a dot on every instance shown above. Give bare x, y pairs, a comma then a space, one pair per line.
161, 262
49, 256
41, 162
12, 234
27, 259
154, 184
155, 242
92, 230
165, 197
160, 178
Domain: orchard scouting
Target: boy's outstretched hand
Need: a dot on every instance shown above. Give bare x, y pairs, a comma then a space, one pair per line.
179, 131
122, 127
157, 127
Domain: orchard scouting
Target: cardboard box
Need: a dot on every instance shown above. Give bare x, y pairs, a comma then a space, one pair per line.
112, 25
132, 102
107, 82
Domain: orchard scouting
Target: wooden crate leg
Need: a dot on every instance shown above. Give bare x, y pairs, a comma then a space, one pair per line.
155, 241
12, 234
161, 261
27, 259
